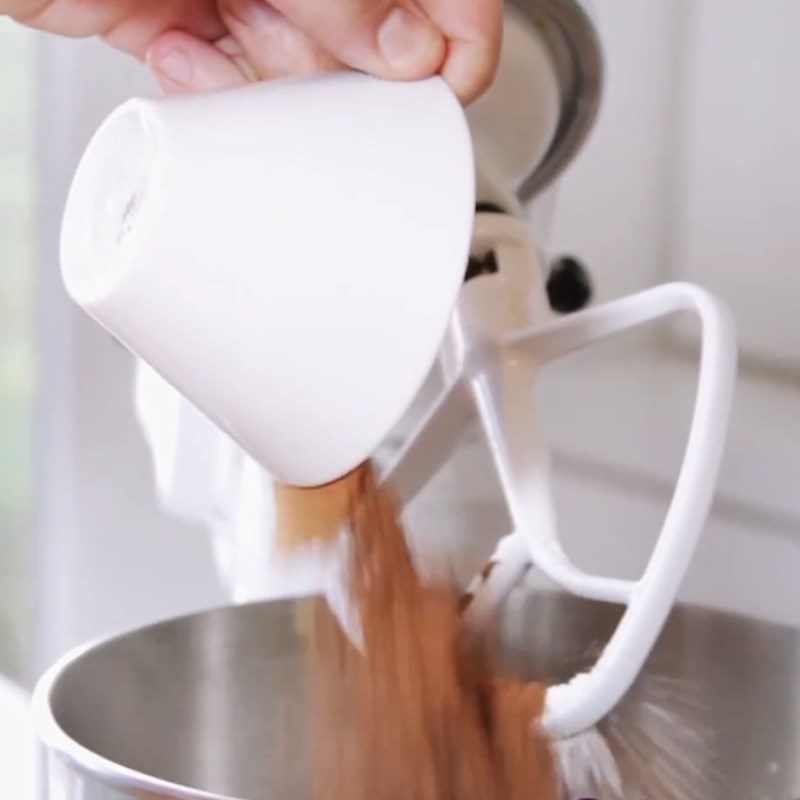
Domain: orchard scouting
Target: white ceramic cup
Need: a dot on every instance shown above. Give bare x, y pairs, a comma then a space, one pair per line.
286, 254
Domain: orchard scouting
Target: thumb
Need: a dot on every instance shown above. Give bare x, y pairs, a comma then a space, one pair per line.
387, 38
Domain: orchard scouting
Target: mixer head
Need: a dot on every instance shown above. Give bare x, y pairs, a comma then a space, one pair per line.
574, 47
543, 104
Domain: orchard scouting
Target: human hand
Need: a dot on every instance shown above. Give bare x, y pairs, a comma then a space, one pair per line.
194, 45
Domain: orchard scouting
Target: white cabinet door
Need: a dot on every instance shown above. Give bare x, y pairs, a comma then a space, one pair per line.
611, 203
737, 200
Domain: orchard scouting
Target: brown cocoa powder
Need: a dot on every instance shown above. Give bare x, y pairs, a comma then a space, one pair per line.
422, 713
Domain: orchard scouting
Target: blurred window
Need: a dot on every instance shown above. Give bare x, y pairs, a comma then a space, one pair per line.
17, 256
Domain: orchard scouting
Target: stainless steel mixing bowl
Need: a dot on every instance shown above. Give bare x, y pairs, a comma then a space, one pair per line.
211, 705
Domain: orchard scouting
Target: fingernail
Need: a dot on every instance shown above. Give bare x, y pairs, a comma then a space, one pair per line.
408, 42
254, 13
175, 65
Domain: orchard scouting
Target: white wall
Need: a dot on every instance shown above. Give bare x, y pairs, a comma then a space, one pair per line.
613, 201
736, 228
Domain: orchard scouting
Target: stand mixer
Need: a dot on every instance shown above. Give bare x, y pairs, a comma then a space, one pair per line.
503, 332
500, 332
551, 59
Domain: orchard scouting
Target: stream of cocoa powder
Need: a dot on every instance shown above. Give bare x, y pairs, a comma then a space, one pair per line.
424, 712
